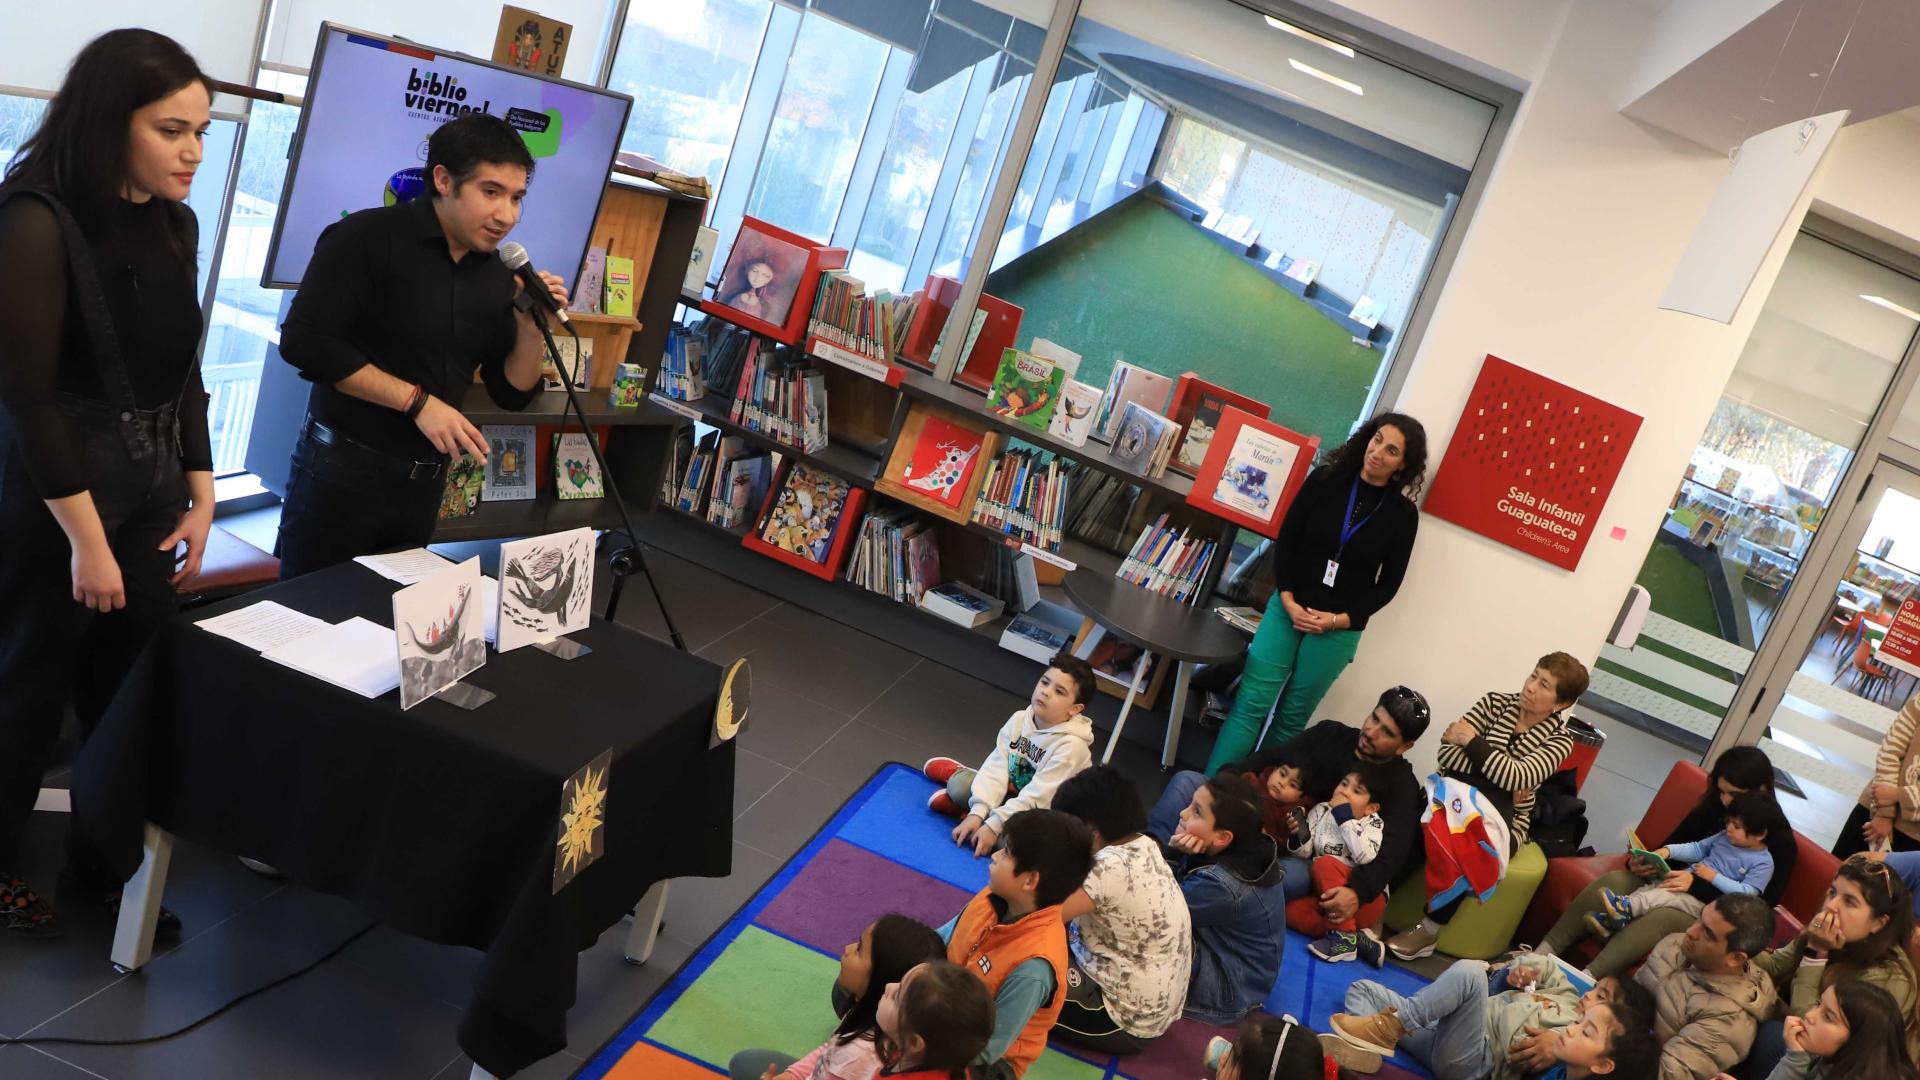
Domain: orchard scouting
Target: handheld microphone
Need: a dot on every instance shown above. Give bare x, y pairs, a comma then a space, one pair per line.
517, 261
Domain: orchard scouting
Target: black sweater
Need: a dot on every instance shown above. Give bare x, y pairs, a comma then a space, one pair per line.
1375, 559
1327, 751
46, 351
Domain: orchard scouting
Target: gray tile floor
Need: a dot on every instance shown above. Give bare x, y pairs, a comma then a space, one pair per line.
831, 705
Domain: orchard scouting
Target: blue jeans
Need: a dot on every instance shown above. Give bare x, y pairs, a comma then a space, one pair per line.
1446, 1021
1297, 876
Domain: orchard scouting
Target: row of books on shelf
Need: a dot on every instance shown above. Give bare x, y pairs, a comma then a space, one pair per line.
683, 365
844, 315
784, 399
1169, 561
723, 479
897, 555
1024, 495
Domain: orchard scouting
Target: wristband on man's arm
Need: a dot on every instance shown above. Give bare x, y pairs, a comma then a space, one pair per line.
416, 403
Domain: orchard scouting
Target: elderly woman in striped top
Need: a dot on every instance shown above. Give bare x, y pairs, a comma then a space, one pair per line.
1507, 745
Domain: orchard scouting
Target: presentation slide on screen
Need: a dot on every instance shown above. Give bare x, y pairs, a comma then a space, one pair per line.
374, 103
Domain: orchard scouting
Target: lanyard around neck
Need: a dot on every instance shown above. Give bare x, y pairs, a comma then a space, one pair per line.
1348, 526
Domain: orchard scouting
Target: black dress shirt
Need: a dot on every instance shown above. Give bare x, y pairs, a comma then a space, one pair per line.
383, 290
1375, 558
46, 349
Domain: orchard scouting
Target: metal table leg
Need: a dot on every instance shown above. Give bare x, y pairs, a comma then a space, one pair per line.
1139, 677
1176, 713
140, 903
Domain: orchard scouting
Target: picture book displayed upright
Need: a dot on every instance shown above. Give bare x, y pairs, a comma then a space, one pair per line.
510, 455
809, 520
461, 496
1130, 383
1196, 407
1252, 471
997, 325
440, 626
933, 303
546, 587
769, 280
938, 461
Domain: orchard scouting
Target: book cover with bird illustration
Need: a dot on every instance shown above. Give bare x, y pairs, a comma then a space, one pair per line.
1073, 419
546, 587
576, 473
441, 631
1026, 388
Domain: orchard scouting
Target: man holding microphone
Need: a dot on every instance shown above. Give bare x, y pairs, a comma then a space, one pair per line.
398, 307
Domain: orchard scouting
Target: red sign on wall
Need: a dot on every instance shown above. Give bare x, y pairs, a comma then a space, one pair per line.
1531, 463
1902, 643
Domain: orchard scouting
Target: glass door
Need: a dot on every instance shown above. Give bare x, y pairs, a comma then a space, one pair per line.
1832, 696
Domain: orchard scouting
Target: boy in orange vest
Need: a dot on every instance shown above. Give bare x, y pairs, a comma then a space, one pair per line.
1012, 937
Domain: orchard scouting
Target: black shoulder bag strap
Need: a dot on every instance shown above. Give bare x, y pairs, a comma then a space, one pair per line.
92, 299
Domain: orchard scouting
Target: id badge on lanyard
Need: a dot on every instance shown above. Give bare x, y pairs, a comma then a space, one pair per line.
1347, 528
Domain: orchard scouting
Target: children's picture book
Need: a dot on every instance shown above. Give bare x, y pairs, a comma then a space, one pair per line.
1073, 417
440, 628
1367, 312
1138, 438
942, 460
575, 356
509, 471
546, 587
1199, 434
1130, 384
1252, 470
1197, 406
1025, 388
462, 493
962, 604
629, 385
1635, 847
619, 286
806, 513
590, 292
705, 241
1299, 270
1042, 632
576, 474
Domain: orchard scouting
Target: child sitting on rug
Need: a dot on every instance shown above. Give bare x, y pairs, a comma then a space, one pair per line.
1037, 748
1230, 876
1336, 836
886, 950
1464, 1024
1269, 1048
1129, 939
934, 1022
1012, 937
1733, 860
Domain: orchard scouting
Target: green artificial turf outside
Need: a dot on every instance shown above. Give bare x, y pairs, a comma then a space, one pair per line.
1143, 283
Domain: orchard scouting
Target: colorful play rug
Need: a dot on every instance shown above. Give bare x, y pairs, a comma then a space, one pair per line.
763, 979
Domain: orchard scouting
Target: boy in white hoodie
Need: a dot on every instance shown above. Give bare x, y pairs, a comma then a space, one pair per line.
1036, 750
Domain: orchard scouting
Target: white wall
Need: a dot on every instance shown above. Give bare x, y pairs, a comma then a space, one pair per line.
1871, 180
1507, 41
1584, 217
466, 26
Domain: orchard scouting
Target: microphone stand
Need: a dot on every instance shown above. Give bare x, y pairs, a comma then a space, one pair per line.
628, 560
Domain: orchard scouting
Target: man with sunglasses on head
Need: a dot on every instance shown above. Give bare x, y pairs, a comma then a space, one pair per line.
1325, 753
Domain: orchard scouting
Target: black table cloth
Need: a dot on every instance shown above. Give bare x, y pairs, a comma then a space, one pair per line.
437, 821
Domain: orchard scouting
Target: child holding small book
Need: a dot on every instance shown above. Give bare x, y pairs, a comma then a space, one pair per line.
1733, 860
1011, 935
1336, 836
885, 952
1038, 748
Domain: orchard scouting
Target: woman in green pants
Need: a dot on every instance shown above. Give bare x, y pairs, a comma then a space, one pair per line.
1341, 553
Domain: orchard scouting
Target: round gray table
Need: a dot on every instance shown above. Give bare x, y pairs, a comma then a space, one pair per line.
1186, 634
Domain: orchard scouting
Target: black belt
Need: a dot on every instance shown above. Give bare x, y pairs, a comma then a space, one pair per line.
380, 459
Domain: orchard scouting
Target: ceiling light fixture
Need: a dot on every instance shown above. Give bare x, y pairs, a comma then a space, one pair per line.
1288, 28
1891, 306
1309, 69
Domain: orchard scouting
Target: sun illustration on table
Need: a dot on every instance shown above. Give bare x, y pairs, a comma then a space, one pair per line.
585, 814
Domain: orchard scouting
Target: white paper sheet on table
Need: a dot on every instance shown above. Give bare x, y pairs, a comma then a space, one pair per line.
355, 655
406, 567
262, 626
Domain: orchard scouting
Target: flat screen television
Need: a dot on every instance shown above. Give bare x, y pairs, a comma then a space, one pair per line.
362, 142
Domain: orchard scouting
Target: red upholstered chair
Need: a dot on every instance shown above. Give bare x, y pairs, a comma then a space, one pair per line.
1566, 877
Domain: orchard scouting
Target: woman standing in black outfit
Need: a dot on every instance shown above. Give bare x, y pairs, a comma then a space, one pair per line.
105, 463
1342, 551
